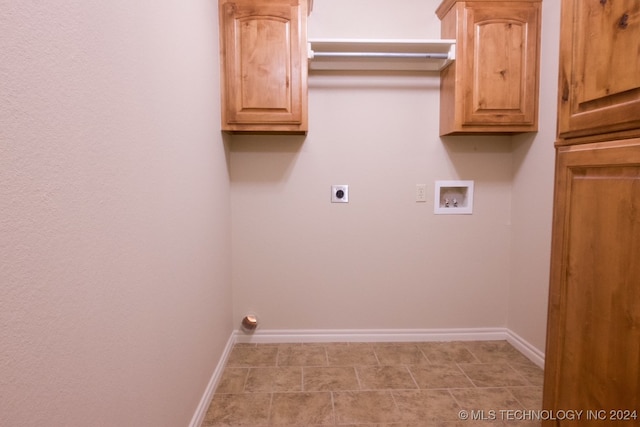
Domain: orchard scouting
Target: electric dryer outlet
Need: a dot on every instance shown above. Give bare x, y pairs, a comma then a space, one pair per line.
339, 194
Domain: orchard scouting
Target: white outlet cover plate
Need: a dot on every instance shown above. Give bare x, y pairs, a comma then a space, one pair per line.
421, 192
334, 196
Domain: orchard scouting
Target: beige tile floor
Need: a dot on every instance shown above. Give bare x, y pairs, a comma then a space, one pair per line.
377, 384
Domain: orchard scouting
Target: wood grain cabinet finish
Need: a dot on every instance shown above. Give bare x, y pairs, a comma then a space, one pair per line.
592, 360
492, 87
599, 81
263, 47
593, 344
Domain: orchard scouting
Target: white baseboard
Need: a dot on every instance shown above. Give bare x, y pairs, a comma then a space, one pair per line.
201, 410
392, 335
369, 335
526, 348
341, 335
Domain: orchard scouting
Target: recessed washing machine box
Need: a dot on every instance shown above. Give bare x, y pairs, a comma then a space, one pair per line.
453, 197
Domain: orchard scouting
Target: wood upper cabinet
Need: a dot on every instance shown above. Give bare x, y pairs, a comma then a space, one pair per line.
599, 81
263, 47
492, 87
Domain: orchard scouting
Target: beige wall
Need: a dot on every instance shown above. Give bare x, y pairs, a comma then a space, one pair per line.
533, 157
382, 261
114, 212
117, 244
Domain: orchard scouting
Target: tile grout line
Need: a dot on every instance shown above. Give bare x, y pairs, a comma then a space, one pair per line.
395, 393
357, 378
460, 407
465, 374
333, 409
472, 354
375, 354
395, 402
413, 378
326, 355
246, 379
270, 408
515, 398
526, 380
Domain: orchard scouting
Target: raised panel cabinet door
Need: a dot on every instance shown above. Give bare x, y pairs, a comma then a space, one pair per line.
264, 70
500, 64
599, 82
593, 340
492, 86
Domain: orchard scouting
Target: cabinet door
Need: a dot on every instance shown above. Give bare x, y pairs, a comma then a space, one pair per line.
599, 85
264, 65
593, 341
500, 57
492, 87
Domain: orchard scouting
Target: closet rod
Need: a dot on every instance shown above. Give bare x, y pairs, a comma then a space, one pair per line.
380, 55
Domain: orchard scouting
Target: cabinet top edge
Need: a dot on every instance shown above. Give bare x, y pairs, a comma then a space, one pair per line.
308, 3
446, 5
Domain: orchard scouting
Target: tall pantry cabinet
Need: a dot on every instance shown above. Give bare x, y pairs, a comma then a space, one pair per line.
593, 339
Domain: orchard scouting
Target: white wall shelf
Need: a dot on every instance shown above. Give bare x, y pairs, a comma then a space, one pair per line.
376, 54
